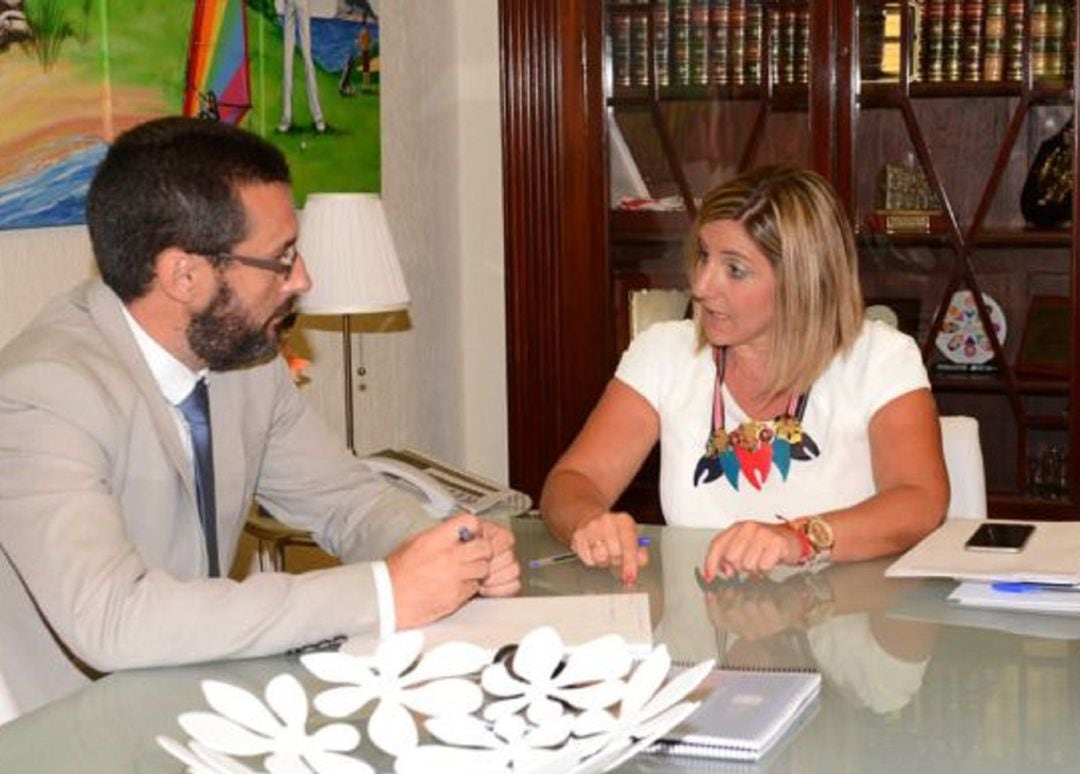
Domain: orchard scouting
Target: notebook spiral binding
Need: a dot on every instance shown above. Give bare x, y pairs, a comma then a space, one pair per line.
761, 668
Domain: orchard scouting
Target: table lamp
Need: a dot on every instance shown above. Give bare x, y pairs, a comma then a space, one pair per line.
349, 253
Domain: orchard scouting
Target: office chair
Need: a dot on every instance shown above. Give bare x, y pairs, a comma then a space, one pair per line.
273, 537
964, 464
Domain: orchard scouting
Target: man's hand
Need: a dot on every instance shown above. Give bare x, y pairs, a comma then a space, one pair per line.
435, 572
610, 540
504, 572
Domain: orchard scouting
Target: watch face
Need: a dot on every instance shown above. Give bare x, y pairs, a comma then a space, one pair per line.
820, 534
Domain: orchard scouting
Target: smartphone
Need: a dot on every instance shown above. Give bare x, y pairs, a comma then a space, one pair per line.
999, 537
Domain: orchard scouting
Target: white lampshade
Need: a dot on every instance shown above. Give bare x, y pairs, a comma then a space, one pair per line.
350, 256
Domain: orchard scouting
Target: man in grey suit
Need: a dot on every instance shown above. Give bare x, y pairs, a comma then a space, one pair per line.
194, 233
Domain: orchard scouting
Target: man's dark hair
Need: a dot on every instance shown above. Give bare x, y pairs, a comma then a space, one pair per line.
173, 182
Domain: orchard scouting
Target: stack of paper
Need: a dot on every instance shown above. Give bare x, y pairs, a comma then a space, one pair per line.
1052, 555
929, 602
492, 623
743, 714
1034, 598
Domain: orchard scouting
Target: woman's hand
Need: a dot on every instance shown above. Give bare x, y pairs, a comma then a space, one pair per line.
610, 540
756, 611
751, 547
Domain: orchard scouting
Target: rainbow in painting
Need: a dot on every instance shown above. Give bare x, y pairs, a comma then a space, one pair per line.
218, 82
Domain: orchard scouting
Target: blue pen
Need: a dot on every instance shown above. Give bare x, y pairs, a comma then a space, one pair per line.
643, 541
1015, 587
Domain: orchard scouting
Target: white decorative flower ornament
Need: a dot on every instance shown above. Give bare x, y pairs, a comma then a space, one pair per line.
200, 760
432, 686
646, 713
547, 712
242, 725
510, 744
542, 676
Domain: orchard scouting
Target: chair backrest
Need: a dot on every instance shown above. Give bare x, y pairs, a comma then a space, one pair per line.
964, 463
651, 305
33, 669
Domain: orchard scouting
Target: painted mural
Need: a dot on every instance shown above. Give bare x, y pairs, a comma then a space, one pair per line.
302, 73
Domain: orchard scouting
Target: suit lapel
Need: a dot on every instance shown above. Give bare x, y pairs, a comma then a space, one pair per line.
225, 413
106, 311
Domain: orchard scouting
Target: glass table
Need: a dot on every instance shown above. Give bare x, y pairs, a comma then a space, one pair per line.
910, 683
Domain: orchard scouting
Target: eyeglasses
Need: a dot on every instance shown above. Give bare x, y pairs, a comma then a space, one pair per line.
283, 264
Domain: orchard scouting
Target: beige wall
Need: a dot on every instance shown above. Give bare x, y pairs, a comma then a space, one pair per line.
439, 385
37, 264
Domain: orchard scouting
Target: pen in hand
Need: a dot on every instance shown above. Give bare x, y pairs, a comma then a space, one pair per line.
569, 556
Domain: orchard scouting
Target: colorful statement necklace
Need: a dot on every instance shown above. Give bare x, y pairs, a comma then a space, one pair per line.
753, 447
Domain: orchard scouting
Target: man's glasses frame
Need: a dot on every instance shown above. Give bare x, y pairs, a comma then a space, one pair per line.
283, 264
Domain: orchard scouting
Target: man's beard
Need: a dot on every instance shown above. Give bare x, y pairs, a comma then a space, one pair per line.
223, 337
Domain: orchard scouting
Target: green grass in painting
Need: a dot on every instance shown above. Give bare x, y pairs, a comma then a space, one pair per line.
147, 45
51, 26
346, 157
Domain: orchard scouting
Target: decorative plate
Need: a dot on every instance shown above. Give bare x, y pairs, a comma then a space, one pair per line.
962, 338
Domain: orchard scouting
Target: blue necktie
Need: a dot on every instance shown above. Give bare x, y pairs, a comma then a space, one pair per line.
196, 410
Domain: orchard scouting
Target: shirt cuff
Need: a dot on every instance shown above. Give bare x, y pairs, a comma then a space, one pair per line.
384, 595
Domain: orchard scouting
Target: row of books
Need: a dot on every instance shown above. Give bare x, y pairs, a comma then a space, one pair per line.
983, 40
695, 43
707, 42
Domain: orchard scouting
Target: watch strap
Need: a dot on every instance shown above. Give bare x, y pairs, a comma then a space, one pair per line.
806, 548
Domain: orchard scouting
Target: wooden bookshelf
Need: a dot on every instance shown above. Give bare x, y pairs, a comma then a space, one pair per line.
846, 113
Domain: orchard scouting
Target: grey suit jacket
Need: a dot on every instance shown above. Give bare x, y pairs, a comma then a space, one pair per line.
98, 511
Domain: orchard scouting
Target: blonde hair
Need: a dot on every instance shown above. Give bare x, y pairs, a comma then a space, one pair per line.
794, 218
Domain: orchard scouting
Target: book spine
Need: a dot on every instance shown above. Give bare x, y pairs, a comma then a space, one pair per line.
774, 17
1014, 40
639, 48
789, 16
1056, 30
736, 41
680, 43
619, 24
1040, 15
802, 42
871, 41
994, 41
699, 42
662, 41
752, 40
971, 53
718, 42
1070, 41
933, 36
952, 41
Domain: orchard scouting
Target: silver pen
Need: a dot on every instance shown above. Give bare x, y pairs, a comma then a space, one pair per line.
570, 556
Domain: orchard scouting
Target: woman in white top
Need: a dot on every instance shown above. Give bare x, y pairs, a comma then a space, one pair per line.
785, 420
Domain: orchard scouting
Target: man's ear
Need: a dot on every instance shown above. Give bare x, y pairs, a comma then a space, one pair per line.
176, 273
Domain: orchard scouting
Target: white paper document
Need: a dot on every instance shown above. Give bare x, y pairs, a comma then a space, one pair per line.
1052, 555
1064, 601
492, 623
929, 602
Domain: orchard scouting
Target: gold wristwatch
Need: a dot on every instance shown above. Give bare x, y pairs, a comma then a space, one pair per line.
820, 534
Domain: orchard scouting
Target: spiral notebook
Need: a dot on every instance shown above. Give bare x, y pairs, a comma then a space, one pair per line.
743, 714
